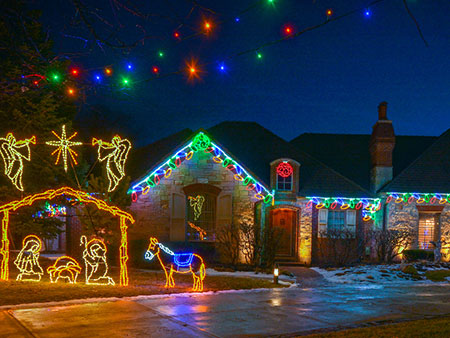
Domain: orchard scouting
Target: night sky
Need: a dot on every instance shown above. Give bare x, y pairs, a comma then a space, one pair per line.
329, 80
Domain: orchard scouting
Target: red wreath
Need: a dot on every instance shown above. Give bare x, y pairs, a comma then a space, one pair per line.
284, 169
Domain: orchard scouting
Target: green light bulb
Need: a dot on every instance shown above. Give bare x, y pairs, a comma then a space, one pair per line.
55, 77
259, 55
161, 54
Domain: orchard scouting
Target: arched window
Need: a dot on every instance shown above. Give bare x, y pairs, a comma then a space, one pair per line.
285, 174
201, 212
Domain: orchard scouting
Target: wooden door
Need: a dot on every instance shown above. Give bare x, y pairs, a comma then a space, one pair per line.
285, 220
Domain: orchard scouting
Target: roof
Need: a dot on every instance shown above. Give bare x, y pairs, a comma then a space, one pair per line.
142, 159
429, 173
349, 153
255, 147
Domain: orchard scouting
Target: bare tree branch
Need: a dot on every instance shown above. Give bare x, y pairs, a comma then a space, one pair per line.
416, 22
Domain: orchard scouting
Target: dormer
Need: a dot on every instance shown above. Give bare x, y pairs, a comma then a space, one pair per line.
284, 176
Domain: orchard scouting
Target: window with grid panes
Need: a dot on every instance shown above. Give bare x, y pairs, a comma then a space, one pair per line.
205, 221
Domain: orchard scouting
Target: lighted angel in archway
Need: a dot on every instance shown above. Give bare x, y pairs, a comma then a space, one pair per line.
116, 154
13, 153
94, 256
27, 260
197, 204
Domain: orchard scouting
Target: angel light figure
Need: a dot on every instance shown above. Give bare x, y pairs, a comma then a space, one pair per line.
116, 154
13, 153
27, 260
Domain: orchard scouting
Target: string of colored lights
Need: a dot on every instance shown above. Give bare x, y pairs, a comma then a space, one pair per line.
369, 206
192, 263
82, 197
418, 198
193, 68
52, 210
201, 142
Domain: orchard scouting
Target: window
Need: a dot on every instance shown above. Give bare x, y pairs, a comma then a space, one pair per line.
284, 183
201, 212
426, 231
284, 172
201, 217
335, 221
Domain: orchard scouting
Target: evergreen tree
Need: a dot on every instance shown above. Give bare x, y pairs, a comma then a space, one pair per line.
31, 105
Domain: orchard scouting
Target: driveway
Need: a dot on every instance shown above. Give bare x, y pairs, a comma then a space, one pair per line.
231, 314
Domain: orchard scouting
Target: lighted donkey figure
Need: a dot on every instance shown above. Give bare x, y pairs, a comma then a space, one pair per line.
177, 262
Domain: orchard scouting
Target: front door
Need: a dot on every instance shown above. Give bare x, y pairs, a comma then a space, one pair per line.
286, 221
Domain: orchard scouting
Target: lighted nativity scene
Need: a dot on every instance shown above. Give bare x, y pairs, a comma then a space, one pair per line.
92, 262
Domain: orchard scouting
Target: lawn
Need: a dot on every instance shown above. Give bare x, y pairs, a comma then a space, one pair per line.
437, 327
142, 282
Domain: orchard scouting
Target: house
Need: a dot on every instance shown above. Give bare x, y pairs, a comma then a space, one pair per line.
190, 184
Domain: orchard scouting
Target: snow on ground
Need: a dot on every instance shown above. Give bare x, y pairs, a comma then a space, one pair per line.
381, 274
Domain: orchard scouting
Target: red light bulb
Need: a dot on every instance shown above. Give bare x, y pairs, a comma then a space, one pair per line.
75, 72
329, 12
155, 70
176, 35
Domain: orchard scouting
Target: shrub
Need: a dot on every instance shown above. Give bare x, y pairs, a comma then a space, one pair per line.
270, 245
437, 275
410, 270
415, 255
389, 243
227, 244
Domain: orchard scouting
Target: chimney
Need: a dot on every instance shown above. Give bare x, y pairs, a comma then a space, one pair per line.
381, 146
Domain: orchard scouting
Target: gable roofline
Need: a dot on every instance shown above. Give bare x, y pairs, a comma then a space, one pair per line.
285, 149
369, 193
388, 187
202, 141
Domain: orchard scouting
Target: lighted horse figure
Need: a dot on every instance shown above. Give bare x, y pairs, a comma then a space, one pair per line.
177, 262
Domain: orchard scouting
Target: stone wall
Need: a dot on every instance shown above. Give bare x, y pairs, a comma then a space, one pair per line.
153, 211
406, 216
305, 233
445, 233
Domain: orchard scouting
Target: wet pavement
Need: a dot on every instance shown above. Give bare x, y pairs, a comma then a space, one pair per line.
288, 312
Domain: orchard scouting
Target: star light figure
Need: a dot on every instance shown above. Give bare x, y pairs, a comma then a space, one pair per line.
64, 145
